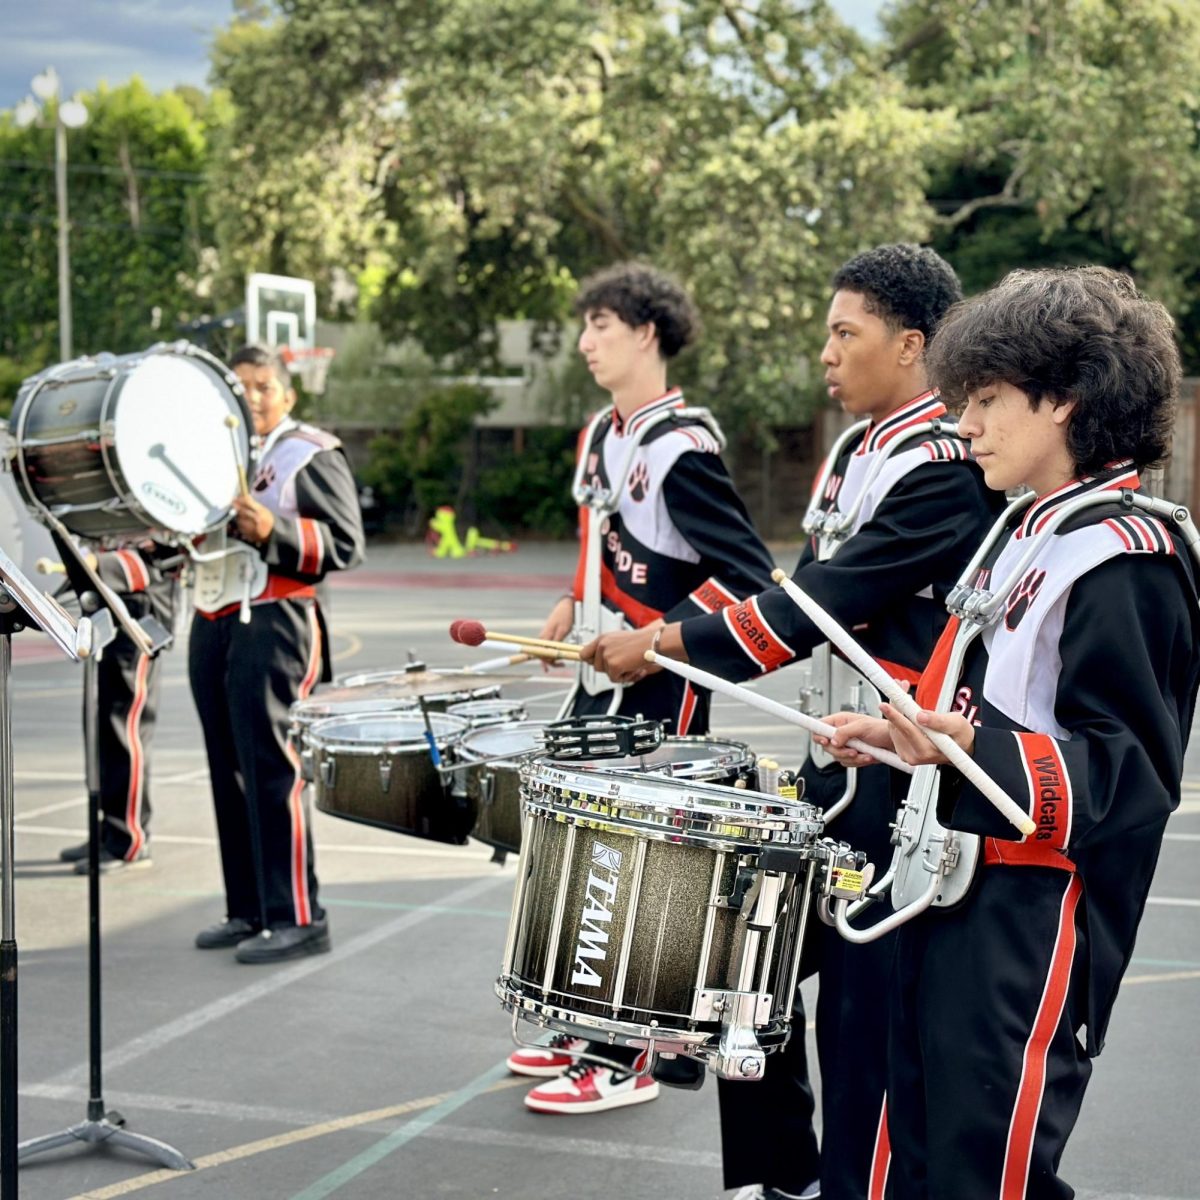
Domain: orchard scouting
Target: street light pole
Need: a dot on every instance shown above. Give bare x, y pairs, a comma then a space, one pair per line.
64, 241
69, 114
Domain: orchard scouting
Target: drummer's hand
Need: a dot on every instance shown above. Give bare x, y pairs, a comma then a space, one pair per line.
622, 656
558, 625
872, 730
910, 741
254, 521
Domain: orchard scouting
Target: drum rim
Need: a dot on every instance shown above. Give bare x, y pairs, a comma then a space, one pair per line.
607, 786
742, 758
483, 704
444, 736
517, 757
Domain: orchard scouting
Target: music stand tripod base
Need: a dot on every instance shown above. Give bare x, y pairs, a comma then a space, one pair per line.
107, 1128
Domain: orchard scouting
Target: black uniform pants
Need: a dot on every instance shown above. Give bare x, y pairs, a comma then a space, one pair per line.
985, 1073
127, 687
766, 1127
244, 680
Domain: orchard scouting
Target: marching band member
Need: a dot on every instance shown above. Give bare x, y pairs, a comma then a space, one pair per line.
127, 690
897, 510
259, 643
1078, 698
664, 535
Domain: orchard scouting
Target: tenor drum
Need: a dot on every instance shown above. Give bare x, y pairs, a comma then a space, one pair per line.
376, 769
659, 912
119, 445
489, 762
710, 760
438, 702
481, 713
330, 703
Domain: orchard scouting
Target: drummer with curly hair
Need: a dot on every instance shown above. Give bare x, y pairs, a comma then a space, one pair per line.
1077, 699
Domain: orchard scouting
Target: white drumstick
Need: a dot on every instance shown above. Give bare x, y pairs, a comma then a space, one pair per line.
497, 664
727, 688
232, 422
862, 661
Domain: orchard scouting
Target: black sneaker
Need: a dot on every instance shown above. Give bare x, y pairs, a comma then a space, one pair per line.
73, 854
287, 941
230, 932
110, 862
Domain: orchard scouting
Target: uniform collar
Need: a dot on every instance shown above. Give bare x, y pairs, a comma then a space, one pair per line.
924, 407
1113, 477
268, 442
639, 416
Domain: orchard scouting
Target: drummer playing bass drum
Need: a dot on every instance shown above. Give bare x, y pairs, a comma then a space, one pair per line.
258, 643
665, 536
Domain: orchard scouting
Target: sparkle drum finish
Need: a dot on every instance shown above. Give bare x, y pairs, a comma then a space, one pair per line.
435, 702
121, 446
376, 769
659, 911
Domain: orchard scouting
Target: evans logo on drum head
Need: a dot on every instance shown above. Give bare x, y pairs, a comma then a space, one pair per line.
160, 494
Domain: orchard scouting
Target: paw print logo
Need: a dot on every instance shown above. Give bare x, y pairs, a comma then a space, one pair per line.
264, 478
1022, 596
639, 482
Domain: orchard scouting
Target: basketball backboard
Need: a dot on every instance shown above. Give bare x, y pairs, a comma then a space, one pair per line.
281, 311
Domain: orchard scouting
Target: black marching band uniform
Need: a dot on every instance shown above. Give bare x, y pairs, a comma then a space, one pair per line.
664, 533
249, 662
897, 511
1083, 691
127, 688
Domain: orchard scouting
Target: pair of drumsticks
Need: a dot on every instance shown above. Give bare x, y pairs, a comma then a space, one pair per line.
473, 633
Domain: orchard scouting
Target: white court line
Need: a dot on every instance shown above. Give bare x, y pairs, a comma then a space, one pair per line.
1174, 901
470, 853
52, 808
1181, 837
206, 1014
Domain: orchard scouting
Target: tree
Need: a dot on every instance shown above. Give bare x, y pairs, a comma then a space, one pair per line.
1076, 117
496, 158
139, 231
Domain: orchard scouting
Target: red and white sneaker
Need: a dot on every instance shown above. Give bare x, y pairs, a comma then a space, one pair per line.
588, 1088
549, 1060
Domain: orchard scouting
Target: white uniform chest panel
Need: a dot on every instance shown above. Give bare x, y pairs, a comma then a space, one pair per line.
642, 507
1024, 660
275, 479
872, 476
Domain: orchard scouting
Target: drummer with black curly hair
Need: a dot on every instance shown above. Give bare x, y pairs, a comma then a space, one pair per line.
252, 655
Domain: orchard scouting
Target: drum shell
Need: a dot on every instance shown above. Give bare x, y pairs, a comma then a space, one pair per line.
494, 790
393, 787
680, 938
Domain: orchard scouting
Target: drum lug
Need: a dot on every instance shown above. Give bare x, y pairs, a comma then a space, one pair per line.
738, 1054
306, 763
328, 771
712, 1005
487, 788
385, 774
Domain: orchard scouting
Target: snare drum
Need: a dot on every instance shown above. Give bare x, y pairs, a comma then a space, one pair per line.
116, 446
659, 912
702, 758
489, 761
439, 702
377, 770
480, 713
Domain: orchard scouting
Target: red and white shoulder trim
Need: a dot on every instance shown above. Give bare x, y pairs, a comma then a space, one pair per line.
1141, 535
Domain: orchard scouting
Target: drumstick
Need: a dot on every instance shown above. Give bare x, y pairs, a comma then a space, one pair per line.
498, 664
728, 688
472, 633
897, 696
47, 566
232, 423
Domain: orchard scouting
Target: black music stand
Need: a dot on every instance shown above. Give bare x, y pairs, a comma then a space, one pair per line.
94, 632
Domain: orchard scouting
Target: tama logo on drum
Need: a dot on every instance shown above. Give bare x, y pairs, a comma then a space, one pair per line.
155, 492
592, 947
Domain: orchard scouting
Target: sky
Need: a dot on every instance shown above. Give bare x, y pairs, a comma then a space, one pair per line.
164, 41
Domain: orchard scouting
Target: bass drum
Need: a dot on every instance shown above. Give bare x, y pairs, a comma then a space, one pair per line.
117, 446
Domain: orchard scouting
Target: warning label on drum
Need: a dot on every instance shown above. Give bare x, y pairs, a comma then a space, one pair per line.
591, 948
846, 883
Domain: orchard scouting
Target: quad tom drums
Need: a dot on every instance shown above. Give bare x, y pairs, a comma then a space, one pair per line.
488, 763
376, 769
652, 911
435, 685
118, 446
480, 713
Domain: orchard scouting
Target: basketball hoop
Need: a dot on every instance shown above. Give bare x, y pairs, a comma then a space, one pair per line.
311, 363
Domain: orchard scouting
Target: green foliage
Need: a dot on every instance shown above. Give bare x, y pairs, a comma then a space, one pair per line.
421, 462
530, 490
138, 226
